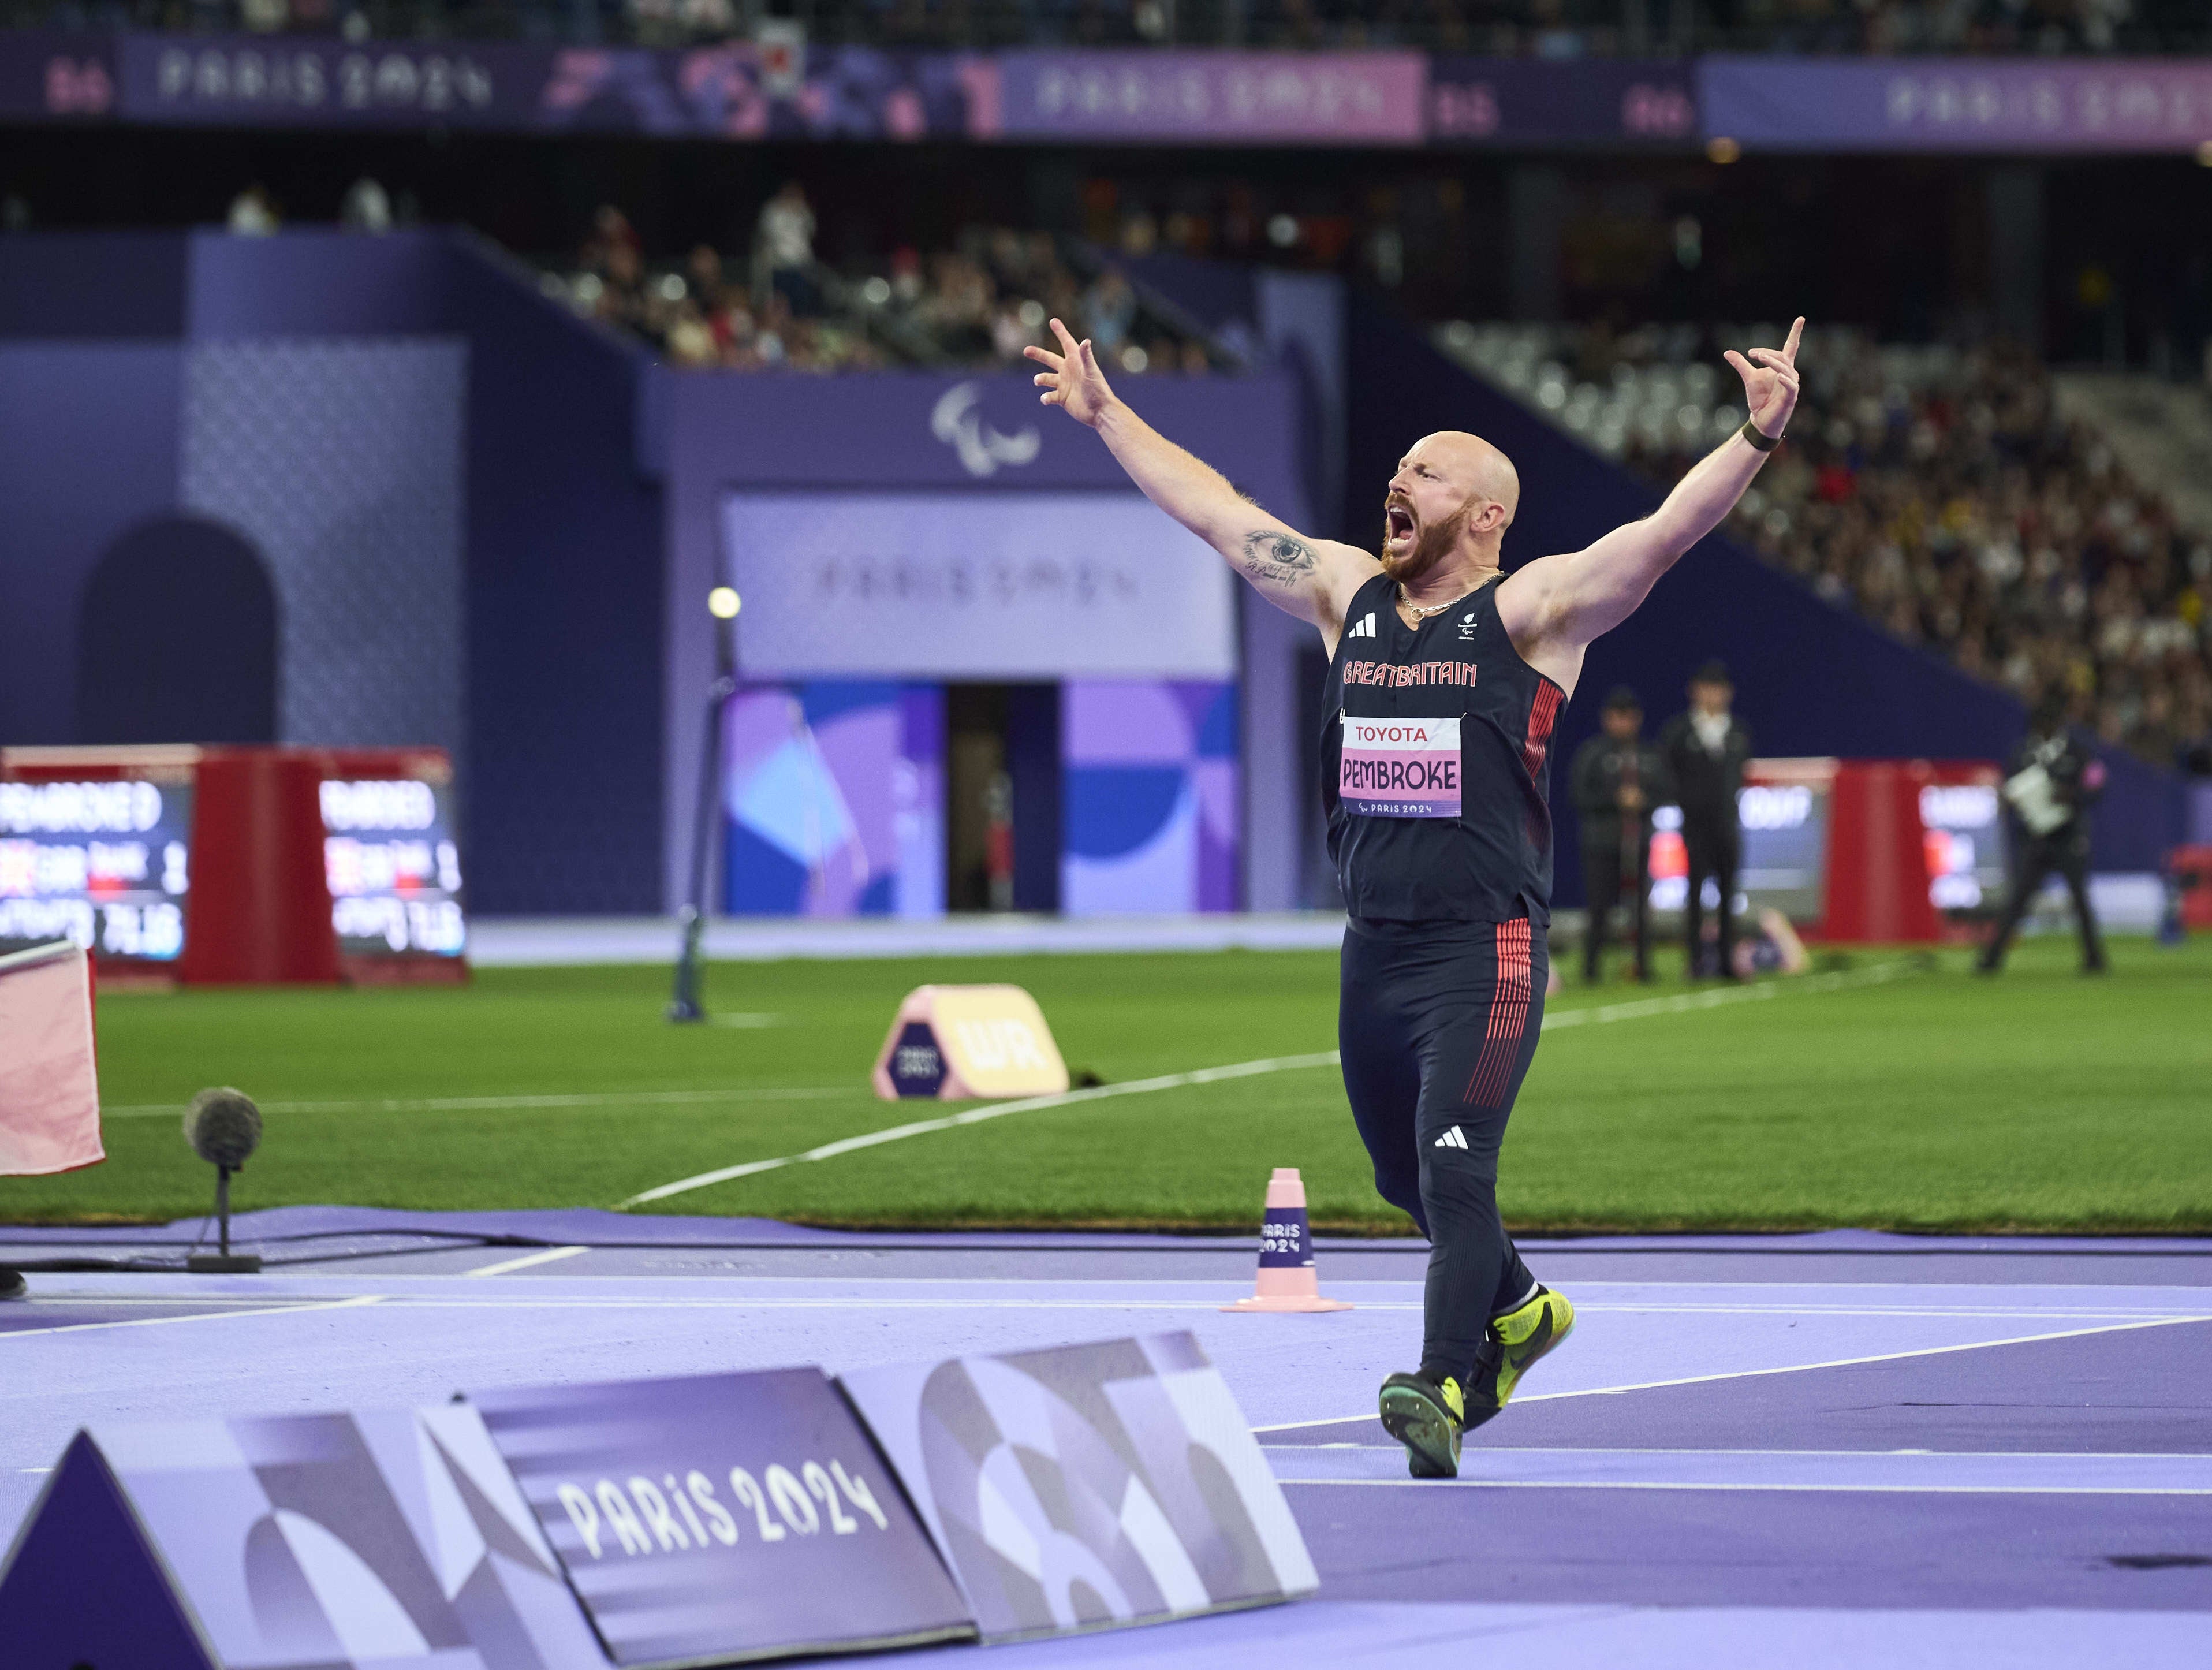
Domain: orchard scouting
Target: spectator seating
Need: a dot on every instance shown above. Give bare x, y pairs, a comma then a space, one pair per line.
1937, 489
977, 304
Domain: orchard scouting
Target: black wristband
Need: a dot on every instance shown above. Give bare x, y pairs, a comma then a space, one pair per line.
1765, 443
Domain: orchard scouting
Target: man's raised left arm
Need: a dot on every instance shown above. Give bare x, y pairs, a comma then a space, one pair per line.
1555, 606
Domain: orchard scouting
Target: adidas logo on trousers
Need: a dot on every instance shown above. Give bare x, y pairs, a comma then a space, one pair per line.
1454, 1138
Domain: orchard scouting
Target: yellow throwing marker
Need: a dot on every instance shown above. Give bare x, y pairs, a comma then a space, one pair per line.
956, 1043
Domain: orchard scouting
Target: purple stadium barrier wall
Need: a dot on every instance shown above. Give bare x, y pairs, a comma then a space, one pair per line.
561, 568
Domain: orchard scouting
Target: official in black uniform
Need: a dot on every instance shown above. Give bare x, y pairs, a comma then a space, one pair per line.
1445, 680
1705, 751
1616, 779
2053, 782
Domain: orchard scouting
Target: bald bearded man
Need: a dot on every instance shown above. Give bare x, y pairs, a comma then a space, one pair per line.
1446, 678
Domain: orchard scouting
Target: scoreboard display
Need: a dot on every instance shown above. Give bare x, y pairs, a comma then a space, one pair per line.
1965, 830
98, 846
106, 864
1782, 820
394, 867
1827, 841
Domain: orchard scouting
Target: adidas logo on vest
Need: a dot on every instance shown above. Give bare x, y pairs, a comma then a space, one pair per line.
1365, 628
1454, 1138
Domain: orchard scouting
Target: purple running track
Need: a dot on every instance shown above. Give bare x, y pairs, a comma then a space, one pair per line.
1818, 1450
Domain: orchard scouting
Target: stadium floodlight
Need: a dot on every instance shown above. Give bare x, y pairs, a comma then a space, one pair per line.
684, 1005
224, 1128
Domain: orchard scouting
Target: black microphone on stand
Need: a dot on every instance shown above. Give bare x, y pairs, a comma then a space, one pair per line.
683, 1003
224, 1128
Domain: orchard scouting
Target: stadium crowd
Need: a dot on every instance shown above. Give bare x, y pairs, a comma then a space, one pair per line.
1939, 491
1552, 28
976, 303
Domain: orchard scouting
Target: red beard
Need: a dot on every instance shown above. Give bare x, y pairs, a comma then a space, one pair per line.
1430, 544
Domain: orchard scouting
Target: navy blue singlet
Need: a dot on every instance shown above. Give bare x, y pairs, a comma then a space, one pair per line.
1435, 765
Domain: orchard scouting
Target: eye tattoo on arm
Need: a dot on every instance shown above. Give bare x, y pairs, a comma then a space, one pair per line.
1276, 558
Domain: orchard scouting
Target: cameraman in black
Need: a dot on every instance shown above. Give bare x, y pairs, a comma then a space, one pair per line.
1616, 779
2053, 782
1705, 751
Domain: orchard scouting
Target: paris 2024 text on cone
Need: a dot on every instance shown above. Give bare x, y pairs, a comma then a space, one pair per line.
1287, 1278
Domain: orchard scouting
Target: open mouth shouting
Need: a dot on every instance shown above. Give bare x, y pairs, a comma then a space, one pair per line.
1398, 528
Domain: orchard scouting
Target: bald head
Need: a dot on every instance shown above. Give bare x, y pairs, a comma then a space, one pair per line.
1449, 507
1472, 464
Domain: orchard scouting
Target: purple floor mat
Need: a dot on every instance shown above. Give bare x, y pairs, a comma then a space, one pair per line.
1755, 1548
2143, 1391
1790, 1501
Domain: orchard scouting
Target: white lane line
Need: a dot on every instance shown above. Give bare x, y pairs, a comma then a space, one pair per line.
1719, 997
2186, 1457
1855, 1490
449, 1104
977, 1116
280, 1310
515, 1299
1599, 1016
1788, 1369
528, 1261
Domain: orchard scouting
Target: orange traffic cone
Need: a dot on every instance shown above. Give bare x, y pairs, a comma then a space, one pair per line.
1287, 1279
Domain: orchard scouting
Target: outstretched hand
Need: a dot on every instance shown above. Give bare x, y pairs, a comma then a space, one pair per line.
1769, 381
1071, 379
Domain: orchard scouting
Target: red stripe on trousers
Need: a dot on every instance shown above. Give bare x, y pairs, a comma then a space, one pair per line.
1509, 1017
1542, 713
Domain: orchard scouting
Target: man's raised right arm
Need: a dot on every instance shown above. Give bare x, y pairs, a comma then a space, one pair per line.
1311, 578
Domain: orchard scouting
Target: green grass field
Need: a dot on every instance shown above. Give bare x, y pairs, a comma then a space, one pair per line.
2038, 1101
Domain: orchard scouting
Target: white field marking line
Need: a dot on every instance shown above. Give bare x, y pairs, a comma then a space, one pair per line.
1809, 1489
527, 1261
1846, 1455
43, 1297
1685, 1002
1788, 1369
1137, 1302
447, 1104
745, 1022
977, 1116
513, 1299
1616, 1011
276, 1310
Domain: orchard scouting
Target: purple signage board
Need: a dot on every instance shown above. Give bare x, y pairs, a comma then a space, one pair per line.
53, 76
974, 585
716, 1517
285, 81
299, 1542
1511, 103
1994, 105
1115, 1482
717, 92
1215, 97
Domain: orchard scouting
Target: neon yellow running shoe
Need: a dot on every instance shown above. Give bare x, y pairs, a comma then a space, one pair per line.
1511, 1348
1426, 1416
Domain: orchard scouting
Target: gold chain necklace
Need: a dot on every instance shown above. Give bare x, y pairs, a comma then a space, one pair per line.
1421, 614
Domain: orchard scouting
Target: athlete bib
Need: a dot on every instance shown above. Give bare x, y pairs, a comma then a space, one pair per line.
1400, 767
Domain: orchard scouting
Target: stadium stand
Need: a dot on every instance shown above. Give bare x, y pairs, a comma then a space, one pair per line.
976, 305
1549, 29
1939, 491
